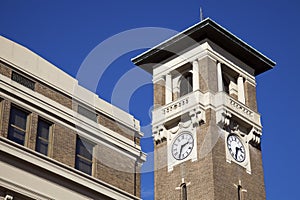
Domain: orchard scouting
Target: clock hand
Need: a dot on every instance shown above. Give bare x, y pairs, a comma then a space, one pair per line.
185, 143
236, 151
180, 150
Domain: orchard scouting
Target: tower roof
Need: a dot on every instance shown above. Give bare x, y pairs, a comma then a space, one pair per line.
206, 29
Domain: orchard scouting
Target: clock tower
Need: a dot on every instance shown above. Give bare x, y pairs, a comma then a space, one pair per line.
206, 126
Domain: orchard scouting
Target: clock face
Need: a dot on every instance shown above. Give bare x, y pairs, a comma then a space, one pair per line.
236, 148
182, 146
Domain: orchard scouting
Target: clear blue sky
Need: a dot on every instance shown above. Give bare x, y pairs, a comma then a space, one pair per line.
64, 32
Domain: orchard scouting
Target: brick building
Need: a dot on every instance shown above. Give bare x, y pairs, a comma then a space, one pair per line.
59, 140
206, 125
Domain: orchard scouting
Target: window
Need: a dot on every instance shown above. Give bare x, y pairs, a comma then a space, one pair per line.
183, 191
186, 84
43, 136
17, 125
84, 155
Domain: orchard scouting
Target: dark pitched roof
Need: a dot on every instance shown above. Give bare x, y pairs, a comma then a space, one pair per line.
212, 31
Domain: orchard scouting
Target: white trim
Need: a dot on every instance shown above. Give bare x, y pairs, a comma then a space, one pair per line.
241, 89
168, 89
65, 171
196, 84
219, 77
23, 190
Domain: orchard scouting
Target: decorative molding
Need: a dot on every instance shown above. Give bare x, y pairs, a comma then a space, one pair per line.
159, 134
241, 107
254, 136
223, 118
176, 105
225, 121
197, 116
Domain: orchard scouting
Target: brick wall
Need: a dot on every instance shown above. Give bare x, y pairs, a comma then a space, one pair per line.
250, 95
116, 126
198, 173
5, 118
53, 95
211, 176
67, 101
64, 145
32, 130
227, 175
112, 167
208, 75
5, 70
115, 168
159, 93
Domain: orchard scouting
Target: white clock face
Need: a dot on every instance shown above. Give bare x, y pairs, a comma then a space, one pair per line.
236, 148
182, 146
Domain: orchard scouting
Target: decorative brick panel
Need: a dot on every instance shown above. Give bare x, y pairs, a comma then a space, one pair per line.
203, 73
5, 70
41, 88
159, 93
32, 131
115, 168
54, 95
64, 145
115, 126
5, 118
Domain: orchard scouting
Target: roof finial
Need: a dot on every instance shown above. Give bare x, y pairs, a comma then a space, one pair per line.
201, 14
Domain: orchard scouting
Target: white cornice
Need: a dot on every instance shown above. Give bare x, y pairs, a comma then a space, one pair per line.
36, 67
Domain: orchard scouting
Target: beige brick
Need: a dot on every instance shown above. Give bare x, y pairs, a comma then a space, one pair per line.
5, 118
5, 69
64, 145
32, 131
159, 93
116, 126
250, 95
53, 94
115, 169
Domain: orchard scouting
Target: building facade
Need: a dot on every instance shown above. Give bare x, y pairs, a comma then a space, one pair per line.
206, 125
59, 140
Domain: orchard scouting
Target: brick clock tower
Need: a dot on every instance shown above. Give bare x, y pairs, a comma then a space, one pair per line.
206, 126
